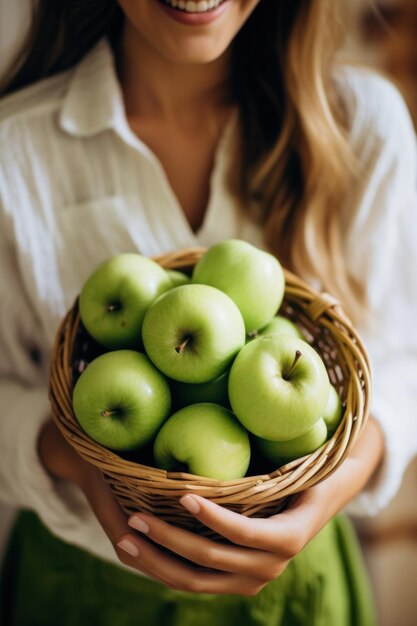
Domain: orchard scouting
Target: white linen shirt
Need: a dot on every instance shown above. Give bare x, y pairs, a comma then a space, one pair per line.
77, 186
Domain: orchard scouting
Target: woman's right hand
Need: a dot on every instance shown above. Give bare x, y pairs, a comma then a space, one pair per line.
258, 550
62, 462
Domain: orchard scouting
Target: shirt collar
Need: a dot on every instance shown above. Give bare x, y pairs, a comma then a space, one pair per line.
93, 101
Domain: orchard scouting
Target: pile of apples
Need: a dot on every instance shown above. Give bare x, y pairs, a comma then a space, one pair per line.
201, 366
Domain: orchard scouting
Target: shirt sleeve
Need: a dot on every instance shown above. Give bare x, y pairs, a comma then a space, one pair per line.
382, 251
24, 376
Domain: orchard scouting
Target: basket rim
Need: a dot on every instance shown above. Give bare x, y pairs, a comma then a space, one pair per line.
322, 308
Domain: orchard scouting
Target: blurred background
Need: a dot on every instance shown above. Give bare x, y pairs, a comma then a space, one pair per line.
383, 34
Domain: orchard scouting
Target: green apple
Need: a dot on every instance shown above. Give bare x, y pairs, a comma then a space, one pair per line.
254, 279
178, 278
115, 297
333, 412
121, 400
283, 451
278, 387
279, 325
214, 391
203, 439
192, 333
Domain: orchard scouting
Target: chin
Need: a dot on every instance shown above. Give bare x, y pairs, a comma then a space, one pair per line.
196, 37
189, 53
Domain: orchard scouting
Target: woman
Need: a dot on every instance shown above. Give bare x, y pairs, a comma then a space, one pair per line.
160, 125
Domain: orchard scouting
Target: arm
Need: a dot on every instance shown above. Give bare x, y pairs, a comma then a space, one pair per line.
62, 463
381, 249
260, 548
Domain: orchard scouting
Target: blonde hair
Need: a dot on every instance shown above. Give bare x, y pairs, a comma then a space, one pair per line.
303, 180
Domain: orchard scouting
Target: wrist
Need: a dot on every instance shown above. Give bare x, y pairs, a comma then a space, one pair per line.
356, 471
58, 458
323, 501
43, 447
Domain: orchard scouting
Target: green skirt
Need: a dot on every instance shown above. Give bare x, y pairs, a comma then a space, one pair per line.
47, 582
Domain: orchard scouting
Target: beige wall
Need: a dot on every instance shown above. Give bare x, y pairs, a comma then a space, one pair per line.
390, 546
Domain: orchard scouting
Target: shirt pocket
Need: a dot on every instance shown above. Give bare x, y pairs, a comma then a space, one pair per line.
89, 233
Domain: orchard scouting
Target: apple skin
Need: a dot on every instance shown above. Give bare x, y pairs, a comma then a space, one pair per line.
203, 439
272, 399
214, 391
178, 278
254, 279
279, 325
115, 297
126, 383
280, 452
205, 317
333, 412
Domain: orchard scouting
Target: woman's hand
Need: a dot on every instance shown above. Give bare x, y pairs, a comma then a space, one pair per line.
260, 549
62, 462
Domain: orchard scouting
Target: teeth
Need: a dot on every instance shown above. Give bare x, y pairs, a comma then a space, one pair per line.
194, 7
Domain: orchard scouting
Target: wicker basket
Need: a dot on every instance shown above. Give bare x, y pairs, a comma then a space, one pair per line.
139, 487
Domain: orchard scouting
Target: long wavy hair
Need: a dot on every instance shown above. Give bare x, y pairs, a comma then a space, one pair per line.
296, 163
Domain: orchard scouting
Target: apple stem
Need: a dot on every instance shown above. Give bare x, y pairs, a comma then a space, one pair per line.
113, 307
252, 334
107, 413
297, 356
183, 344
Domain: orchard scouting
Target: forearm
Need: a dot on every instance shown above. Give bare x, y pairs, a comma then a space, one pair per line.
259, 549
336, 491
58, 458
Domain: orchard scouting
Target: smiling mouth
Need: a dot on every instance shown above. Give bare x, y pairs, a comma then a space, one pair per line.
187, 6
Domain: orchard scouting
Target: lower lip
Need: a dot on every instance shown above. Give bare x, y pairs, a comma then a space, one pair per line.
195, 19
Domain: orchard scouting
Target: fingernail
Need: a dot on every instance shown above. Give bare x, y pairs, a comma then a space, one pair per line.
139, 524
191, 504
129, 547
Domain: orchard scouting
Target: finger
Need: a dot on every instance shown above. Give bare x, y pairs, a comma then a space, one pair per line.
113, 520
208, 553
283, 533
127, 552
181, 576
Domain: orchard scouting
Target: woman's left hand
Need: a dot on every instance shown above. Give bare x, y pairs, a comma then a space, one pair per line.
260, 552
260, 549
